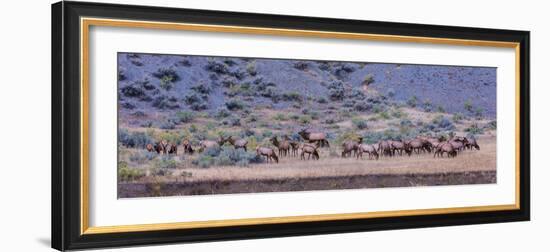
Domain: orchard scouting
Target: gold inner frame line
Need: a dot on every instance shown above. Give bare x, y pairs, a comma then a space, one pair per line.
86, 23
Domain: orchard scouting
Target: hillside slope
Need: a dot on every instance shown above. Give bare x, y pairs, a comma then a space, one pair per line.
164, 83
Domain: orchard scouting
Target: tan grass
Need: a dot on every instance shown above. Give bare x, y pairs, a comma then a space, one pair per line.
293, 167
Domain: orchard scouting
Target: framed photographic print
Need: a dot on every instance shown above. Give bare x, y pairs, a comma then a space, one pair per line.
180, 125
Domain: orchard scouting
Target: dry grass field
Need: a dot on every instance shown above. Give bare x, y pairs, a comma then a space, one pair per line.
330, 172
327, 166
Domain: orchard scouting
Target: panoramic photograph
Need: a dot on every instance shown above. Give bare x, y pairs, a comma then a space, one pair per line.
203, 125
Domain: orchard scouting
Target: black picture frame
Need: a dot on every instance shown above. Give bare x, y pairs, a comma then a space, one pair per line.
66, 155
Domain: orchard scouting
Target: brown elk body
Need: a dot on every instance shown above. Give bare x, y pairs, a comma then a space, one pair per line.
472, 143
351, 146
238, 143
268, 153
311, 150
150, 148
283, 147
384, 148
457, 145
399, 147
445, 148
294, 146
159, 148
173, 149
205, 144
416, 145
187, 148
367, 148
314, 137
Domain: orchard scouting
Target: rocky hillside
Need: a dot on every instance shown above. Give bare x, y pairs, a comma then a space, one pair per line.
167, 82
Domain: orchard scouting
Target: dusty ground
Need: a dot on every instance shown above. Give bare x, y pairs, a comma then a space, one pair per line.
330, 172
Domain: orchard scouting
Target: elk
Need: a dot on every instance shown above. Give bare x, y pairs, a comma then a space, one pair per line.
311, 150
173, 149
205, 144
367, 148
187, 147
159, 148
457, 145
426, 143
164, 144
416, 145
349, 146
385, 148
294, 145
445, 148
284, 146
433, 142
238, 143
150, 148
314, 137
472, 143
268, 153
399, 147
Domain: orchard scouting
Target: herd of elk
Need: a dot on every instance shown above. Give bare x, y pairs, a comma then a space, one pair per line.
315, 140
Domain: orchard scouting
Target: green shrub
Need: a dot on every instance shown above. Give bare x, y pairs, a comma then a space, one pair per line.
234, 104
251, 69
136, 139
216, 67
305, 119
474, 129
165, 102
391, 93
359, 123
166, 162
195, 102
292, 96
225, 156
398, 113
384, 115
468, 106
369, 79
185, 116
222, 113
412, 101
427, 105
362, 106
330, 120
128, 174
492, 125
142, 156
280, 117
202, 88
336, 91
166, 73
438, 124
267, 133
166, 83
457, 117
479, 113
372, 137
301, 65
